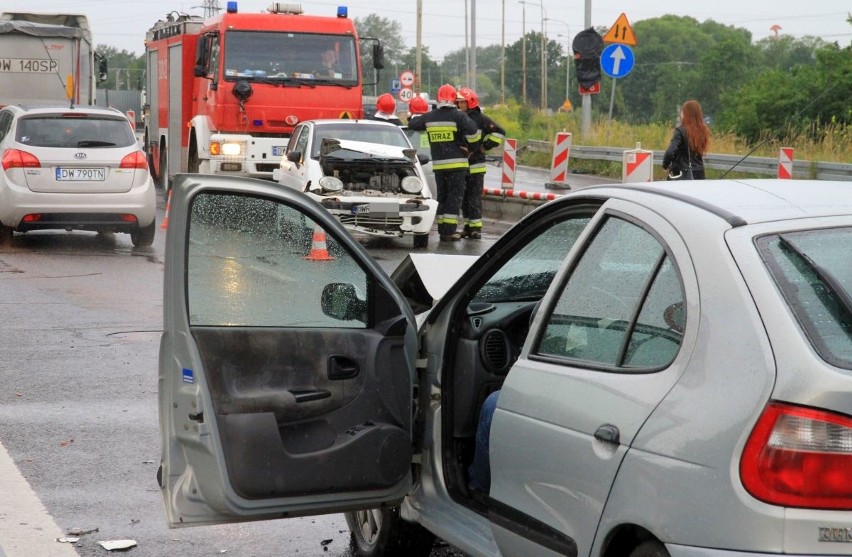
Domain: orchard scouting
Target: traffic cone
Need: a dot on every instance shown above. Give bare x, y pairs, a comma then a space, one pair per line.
168, 205
319, 249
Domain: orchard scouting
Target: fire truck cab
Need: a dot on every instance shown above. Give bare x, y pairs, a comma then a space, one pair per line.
225, 93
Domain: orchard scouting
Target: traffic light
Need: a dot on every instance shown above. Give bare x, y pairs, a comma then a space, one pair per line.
587, 46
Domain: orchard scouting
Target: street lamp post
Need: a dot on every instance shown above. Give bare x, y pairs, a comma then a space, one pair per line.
567, 54
543, 54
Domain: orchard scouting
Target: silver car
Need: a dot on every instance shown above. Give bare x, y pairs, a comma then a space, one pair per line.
674, 362
73, 168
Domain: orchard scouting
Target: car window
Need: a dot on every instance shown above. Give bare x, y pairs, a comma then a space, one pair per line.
255, 262
367, 133
528, 274
5, 124
301, 141
814, 272
622, 306
74, 131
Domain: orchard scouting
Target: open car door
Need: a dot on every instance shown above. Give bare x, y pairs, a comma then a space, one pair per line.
286, 362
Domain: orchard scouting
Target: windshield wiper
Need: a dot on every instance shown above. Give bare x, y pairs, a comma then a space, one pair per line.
332, 82
835, 287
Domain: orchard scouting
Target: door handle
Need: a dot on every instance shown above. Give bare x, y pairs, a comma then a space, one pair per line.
608, 433
342, 367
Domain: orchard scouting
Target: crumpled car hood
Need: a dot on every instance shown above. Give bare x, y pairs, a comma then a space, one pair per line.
347, 149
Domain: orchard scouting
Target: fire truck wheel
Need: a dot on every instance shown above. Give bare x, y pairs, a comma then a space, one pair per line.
163, 174
193, 166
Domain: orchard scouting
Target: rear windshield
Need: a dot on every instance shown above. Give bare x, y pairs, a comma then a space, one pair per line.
813, 269
74, 131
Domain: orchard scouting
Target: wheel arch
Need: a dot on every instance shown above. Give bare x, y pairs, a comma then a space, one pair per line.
623, 539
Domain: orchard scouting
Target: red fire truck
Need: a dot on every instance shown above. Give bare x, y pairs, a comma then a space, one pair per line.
223, 94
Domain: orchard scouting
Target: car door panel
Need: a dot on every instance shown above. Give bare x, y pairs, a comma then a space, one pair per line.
592, 381
273, 399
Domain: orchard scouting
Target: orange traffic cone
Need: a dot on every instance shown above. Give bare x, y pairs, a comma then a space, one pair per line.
168, 206
319, 249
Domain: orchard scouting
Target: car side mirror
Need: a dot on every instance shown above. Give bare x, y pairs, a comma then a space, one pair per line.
340, 301
423, 158
294, 156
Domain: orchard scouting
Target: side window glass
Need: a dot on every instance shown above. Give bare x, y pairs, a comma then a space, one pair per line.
622, 305
213, 63
5, 124
297, 133
255, 262
528, 274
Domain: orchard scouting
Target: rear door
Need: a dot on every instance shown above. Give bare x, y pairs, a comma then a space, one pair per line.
286, 362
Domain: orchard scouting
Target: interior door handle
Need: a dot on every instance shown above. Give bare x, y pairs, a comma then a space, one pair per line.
310, 395
608, 433
342, 367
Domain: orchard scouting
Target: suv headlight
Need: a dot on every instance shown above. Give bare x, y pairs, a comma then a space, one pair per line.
330, 184
411, 184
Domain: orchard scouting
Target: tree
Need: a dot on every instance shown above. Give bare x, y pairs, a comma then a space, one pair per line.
390, 34
125, 70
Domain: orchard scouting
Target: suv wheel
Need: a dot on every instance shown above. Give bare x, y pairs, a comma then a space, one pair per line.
421, 240
144, 235
382, 533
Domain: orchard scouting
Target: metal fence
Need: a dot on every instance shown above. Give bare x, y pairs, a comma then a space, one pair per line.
123, 100
752, 165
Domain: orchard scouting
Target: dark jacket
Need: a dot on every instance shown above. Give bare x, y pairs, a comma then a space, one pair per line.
452, 136
382, 117
492, 136
678, 156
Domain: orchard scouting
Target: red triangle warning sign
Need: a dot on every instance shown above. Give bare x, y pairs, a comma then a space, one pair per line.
620, 32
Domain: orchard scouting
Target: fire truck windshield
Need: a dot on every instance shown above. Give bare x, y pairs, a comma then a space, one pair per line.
265, 55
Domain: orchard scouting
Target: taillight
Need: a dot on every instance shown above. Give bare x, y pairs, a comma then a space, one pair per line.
136, 159
15, 158
799, 457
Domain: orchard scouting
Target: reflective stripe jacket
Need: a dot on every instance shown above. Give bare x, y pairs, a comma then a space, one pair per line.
492, 136
452, 136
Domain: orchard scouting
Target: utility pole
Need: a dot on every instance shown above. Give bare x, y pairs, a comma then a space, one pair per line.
587, 99
418, 64
543, 62
466, 47
503, 57
524, 52
211, 8
473, 44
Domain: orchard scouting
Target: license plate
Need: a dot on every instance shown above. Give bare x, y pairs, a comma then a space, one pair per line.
382, 209
278, 150
80, 174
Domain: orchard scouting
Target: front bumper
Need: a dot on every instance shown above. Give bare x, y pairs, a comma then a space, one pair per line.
262, 155
383, 217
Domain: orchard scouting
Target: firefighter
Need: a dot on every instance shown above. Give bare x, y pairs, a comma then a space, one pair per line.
492, 136
386, 109
452, 136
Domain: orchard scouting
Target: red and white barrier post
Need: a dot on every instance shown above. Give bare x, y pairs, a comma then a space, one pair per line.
637, 165
785, 163
559, 164
131, 115
510, 152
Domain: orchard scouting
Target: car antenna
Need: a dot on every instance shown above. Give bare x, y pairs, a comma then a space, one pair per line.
756, 147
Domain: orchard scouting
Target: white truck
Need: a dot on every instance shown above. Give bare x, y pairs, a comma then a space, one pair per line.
48, 58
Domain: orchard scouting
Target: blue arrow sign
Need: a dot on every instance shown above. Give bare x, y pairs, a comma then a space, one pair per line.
617, 60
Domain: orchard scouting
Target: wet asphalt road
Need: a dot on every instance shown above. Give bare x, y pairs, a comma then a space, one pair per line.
81, 322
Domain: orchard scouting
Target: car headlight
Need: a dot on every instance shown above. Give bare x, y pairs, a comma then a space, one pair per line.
330, 184
411, 184
227, 148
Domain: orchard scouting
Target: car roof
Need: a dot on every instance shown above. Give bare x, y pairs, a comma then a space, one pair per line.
742, 202
349, 121
65, 109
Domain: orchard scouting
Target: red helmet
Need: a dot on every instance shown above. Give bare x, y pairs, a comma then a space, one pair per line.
446, 93
418, 105
469, 96
386, 103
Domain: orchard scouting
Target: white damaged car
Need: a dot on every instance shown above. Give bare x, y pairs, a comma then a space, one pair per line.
365, 173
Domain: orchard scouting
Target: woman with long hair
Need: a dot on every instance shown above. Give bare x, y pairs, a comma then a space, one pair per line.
684, 159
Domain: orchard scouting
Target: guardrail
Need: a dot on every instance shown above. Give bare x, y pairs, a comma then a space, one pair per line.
753, 165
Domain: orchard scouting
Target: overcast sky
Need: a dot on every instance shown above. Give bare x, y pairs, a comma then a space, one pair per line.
123, 23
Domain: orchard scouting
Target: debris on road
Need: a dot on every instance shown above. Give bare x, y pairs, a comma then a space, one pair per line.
117, 545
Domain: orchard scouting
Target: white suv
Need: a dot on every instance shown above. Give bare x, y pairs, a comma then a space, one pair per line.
73, 168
